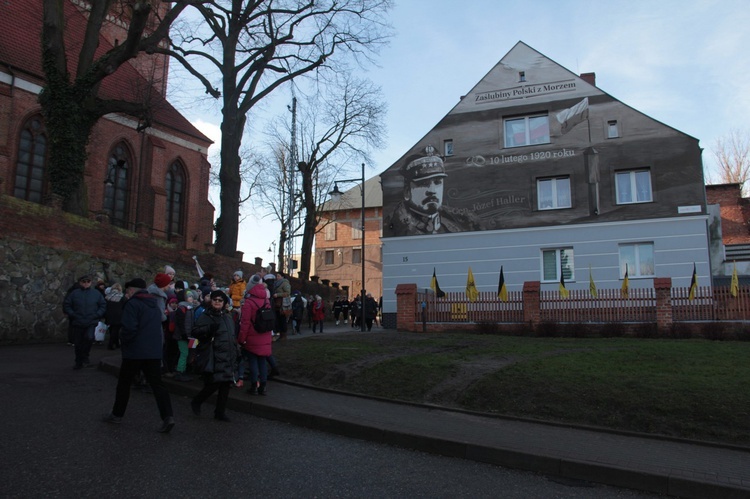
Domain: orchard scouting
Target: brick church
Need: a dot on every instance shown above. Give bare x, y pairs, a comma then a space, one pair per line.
151, 180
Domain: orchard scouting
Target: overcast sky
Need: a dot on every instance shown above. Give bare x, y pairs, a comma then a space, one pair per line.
682, 62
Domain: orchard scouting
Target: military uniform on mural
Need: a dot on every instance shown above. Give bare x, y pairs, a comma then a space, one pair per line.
422, 210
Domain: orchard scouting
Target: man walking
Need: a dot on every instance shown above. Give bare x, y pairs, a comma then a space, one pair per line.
141, 344
84, 306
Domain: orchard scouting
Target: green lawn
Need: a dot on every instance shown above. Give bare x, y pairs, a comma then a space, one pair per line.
687, 388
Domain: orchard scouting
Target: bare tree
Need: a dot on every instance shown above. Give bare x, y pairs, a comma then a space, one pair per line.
732, 154
71, 103
343, 124
339, 123
256, 46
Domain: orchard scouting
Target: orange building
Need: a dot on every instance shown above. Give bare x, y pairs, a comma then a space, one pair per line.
338, 241
152, 180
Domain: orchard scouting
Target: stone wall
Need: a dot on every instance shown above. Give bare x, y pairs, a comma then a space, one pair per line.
43, 251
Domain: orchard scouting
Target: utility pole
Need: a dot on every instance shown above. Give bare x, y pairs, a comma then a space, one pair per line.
292, 165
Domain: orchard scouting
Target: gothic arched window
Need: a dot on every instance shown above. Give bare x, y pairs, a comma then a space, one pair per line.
175, 198
31, 181
116, 185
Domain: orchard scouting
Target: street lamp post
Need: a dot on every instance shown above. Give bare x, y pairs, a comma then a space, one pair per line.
336, 197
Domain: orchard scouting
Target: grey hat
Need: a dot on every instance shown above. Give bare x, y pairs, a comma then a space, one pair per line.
238, 272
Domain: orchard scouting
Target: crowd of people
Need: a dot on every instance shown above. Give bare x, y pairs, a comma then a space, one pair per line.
169, 328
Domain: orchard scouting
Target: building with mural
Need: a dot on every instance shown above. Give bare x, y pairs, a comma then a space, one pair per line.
146, 178
539, 172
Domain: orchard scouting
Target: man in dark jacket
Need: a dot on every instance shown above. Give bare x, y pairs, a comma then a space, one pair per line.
141, 344
84, 307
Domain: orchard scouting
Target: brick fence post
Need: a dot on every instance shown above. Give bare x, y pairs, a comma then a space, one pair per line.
406, 307
663, 288
532, 311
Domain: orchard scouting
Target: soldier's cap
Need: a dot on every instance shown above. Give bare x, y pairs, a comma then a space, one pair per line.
423, 166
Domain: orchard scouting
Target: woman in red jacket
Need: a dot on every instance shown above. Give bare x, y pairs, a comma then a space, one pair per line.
256, 347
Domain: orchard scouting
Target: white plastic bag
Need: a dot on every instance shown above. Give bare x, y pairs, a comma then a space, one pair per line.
101, 331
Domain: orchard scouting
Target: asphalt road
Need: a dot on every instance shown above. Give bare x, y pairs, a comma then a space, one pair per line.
53, 445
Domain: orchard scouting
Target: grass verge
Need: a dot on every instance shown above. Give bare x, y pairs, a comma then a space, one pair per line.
683, 388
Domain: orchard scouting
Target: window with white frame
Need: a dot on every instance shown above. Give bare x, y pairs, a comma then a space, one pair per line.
639, 259
633, 186
356, 232
330, 231
553, 193
448, 147
329, 257
613, 131
526, 130
555, 261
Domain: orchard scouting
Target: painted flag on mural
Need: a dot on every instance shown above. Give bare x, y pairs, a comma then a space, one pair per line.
563, 290
471, 289
735, 287
435, 286
693, 285
570, 117
502, 291
625, 290
592, 285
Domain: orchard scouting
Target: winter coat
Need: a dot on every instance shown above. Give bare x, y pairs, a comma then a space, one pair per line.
115, 305
299, 305
250, 340
161, 298
141, 333
215, 328
318, 311
237, 291
371, 308
183, 321
84, 307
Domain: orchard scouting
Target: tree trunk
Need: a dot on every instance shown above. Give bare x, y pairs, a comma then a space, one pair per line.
69, 126
311, 221
228, 223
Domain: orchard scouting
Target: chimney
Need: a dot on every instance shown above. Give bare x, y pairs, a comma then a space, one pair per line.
589, 78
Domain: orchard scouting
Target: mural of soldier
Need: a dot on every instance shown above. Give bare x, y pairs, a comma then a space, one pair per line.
422, 210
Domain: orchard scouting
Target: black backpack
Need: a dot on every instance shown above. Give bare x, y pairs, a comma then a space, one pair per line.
264, 318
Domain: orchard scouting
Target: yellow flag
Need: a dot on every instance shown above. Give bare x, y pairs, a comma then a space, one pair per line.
735, 287
693, 285
471, 289
502, 290
435, 286
592, 285
625, 290
563, 291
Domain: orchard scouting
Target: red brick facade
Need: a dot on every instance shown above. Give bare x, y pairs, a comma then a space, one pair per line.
735, 212
170, 141
342, 246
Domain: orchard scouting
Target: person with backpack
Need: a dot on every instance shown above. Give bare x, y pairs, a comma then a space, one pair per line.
256, 336
299, 305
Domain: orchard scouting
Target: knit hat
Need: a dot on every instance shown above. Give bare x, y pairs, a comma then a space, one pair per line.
205, 291
269, 277
136, 283
162, 280
191, 294
169, 270
172, 299
84, 277
237, 273
254, 281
